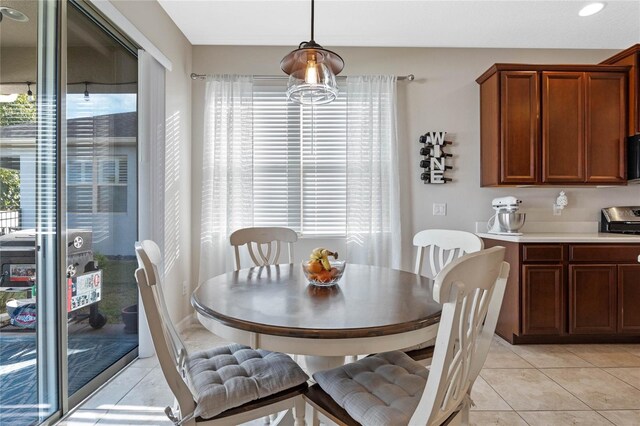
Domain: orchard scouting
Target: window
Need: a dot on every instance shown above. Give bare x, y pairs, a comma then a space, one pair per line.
299, 162
97, 185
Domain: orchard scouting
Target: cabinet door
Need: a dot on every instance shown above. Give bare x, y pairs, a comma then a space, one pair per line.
592, 299
542, 299
628, 297
605, 127
519, 116
563, 115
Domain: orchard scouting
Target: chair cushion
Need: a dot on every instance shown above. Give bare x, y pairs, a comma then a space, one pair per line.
229, 376
382, 389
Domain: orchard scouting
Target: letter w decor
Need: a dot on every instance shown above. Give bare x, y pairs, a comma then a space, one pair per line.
434, 162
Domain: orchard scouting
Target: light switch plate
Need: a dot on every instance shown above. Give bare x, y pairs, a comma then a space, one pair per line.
439, 209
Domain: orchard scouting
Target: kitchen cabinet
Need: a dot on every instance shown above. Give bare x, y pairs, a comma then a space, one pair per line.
542, 299
592, 299
570, 292
628, 297
631, 58
553, 124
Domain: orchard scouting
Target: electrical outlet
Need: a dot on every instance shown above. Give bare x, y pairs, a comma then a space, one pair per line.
184, 288
439, 209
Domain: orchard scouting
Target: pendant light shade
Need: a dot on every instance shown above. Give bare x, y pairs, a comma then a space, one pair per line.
312, 72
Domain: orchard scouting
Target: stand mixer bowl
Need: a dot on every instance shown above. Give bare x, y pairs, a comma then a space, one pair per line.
511, 221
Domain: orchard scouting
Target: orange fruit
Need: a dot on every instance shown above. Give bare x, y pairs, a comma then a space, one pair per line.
314, 266
324, 276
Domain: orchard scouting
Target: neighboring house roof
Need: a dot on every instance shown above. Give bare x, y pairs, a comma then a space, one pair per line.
119, 125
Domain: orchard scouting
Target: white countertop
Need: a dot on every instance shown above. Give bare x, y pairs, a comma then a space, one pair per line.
564, 237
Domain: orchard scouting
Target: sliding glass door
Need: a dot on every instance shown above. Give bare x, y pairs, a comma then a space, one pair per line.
68, 207
101, 199
29, 201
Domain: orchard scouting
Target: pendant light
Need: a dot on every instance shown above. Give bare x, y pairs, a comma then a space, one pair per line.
312, 72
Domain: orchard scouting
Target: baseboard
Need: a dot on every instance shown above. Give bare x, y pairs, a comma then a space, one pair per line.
186, 322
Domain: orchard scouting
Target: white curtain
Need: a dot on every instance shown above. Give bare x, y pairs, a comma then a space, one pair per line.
151, 168
227, 188
373, 205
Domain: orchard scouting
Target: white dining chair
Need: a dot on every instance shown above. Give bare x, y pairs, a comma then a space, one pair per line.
225, 385
392, 389
264, 244
443, 246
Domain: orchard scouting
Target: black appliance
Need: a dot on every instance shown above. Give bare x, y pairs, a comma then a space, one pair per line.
84, 277
633, 159
622, 220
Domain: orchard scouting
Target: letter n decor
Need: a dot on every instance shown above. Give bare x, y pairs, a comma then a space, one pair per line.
434, 160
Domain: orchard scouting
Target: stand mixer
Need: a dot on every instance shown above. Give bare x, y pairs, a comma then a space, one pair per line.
506, 220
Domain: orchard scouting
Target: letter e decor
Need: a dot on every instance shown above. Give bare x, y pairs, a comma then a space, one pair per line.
434, 162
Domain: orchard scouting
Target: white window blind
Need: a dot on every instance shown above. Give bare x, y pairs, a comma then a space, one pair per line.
299, 162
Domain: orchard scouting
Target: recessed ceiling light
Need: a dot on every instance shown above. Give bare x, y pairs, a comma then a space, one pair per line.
591, 9
14, 14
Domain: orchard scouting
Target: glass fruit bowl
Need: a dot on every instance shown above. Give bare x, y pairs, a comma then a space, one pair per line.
318, 275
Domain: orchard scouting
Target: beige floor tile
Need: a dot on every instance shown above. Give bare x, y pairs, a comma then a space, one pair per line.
495, 418
501, 356
150, 362
623, 417
549, 356
134, 416
198, 338
605, 355
597, 388
151, 393
485, 398
529, 389
634, 349
83, 417
630, 375
116, 389
563, 418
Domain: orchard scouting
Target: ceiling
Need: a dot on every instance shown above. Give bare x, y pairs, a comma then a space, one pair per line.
482, 23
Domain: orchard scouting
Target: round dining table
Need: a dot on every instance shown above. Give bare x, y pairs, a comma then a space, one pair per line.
371, 309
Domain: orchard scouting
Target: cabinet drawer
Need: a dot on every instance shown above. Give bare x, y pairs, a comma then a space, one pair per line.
542, 253
604, 253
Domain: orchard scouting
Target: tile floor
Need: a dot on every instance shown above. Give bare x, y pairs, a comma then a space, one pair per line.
519, 385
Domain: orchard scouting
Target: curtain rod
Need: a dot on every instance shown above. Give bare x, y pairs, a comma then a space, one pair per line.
195, 76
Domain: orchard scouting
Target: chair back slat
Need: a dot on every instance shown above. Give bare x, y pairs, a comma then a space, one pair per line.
150, 259
470, 290
444, 246
167, 344
263, 244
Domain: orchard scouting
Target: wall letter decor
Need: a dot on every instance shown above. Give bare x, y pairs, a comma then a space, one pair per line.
434, 162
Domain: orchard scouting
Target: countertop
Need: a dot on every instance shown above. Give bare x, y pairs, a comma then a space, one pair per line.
565, 237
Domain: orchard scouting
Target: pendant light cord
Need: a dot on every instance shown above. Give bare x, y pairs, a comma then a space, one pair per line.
312, 12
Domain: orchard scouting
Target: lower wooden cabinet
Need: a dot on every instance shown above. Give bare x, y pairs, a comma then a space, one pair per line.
542, 299
570, 292
629, 299
592, 299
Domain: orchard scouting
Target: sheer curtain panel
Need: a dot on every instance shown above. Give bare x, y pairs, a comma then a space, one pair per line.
227, 177
151, 168
373, 201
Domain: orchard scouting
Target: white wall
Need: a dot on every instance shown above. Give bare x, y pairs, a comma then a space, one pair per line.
444, 96
155, 24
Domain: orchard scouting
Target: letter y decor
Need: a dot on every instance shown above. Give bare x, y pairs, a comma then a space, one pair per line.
434, 162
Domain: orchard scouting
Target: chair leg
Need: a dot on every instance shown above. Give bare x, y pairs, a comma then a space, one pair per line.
298, 412
315, 420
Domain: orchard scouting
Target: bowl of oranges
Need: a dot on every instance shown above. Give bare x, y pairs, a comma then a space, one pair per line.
321, 271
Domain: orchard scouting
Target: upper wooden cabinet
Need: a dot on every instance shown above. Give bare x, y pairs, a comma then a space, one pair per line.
631, 58
552, 124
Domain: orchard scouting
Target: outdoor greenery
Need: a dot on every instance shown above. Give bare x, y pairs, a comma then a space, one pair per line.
119, 287
9, 189
19, 111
